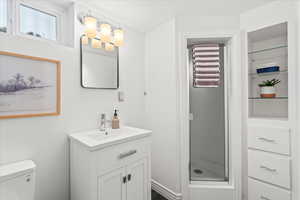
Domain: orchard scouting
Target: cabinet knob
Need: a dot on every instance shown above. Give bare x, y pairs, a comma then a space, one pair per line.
129, 177
124, 179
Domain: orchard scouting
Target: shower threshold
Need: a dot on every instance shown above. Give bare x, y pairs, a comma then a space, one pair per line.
203, 174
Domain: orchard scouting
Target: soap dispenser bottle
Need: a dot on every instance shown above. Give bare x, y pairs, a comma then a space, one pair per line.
115, 122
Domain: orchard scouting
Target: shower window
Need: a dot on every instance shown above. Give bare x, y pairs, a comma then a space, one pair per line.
3, 15
206, 62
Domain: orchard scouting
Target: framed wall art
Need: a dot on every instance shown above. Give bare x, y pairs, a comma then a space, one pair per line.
29, 86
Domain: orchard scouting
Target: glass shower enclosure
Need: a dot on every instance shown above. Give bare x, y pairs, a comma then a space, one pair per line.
208, 112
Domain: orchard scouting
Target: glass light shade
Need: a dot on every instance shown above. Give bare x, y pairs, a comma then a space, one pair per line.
96, 43
84, 40
118, 37
90, 26
105, 32
109, 47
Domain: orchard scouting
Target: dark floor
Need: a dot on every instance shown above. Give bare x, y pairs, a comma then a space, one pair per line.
156, 196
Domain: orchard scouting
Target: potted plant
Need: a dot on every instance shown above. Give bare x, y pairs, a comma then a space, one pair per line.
267, 89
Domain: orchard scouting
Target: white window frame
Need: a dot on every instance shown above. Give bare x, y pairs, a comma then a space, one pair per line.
9, 19
40, 6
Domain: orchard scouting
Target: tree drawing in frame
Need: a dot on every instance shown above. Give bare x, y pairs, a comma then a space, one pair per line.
29, 86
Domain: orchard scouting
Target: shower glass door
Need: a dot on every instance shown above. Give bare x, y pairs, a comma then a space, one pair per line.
208, 135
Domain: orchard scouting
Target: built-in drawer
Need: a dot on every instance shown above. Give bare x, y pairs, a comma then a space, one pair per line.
262, 191
273, 139
269, 167
120, 154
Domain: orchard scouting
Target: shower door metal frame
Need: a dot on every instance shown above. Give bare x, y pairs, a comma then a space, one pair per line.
226, 114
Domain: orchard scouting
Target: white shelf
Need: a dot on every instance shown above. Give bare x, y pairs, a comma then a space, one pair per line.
273, 49
269, 73
268, 49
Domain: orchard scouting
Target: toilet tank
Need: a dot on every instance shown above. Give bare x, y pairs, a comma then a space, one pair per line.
17, 181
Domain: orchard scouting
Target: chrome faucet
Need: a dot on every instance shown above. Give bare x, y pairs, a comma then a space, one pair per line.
103, 122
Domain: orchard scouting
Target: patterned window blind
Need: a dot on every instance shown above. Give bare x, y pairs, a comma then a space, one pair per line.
206, 69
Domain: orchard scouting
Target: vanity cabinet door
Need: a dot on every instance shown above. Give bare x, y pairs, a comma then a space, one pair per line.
112, 185
137, 180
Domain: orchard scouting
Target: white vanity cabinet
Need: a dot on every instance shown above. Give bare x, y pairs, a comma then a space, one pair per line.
129, 182
115, 166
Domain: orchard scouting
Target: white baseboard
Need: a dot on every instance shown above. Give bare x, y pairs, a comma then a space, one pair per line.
164, 191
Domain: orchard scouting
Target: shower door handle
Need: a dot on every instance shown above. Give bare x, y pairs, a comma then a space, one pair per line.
191, 117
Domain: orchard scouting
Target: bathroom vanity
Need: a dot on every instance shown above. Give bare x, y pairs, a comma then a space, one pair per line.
111, 165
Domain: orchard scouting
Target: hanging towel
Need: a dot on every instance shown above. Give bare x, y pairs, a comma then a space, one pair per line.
206, 65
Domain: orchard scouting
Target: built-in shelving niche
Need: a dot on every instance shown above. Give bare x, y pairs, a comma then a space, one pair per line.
268, 45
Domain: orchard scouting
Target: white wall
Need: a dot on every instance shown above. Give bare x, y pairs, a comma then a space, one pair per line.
213, 27
161, 105
203, 24
162, 101
44, 139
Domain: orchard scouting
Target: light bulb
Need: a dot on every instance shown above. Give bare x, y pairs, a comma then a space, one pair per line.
84, 40
105, 32
109, 47
90, 26
96, 43
118, 37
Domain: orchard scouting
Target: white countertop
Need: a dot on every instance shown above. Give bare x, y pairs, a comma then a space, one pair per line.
95, 139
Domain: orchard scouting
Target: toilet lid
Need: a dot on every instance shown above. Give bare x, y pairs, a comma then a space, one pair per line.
12, 170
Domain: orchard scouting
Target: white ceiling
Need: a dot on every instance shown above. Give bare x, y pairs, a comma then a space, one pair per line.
146, 14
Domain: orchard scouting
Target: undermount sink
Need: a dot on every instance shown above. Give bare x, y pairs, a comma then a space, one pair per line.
96, 139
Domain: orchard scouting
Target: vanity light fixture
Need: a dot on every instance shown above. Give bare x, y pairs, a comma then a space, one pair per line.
96, 43
109, 46
105, 32
101, 32
90, 26
118, 39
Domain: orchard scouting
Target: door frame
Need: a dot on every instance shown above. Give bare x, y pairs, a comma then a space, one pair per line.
232, 189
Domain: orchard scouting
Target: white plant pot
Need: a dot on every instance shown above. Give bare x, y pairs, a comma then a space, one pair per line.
267, 92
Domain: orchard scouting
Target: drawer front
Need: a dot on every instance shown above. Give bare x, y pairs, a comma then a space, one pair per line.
121, 154
262, 191
270, 168
271, 139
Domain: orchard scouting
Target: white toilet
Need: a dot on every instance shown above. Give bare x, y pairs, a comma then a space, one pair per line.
17, 181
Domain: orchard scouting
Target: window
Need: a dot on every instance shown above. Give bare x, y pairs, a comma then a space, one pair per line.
37, 23
3, 15
206, 62
34, 19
